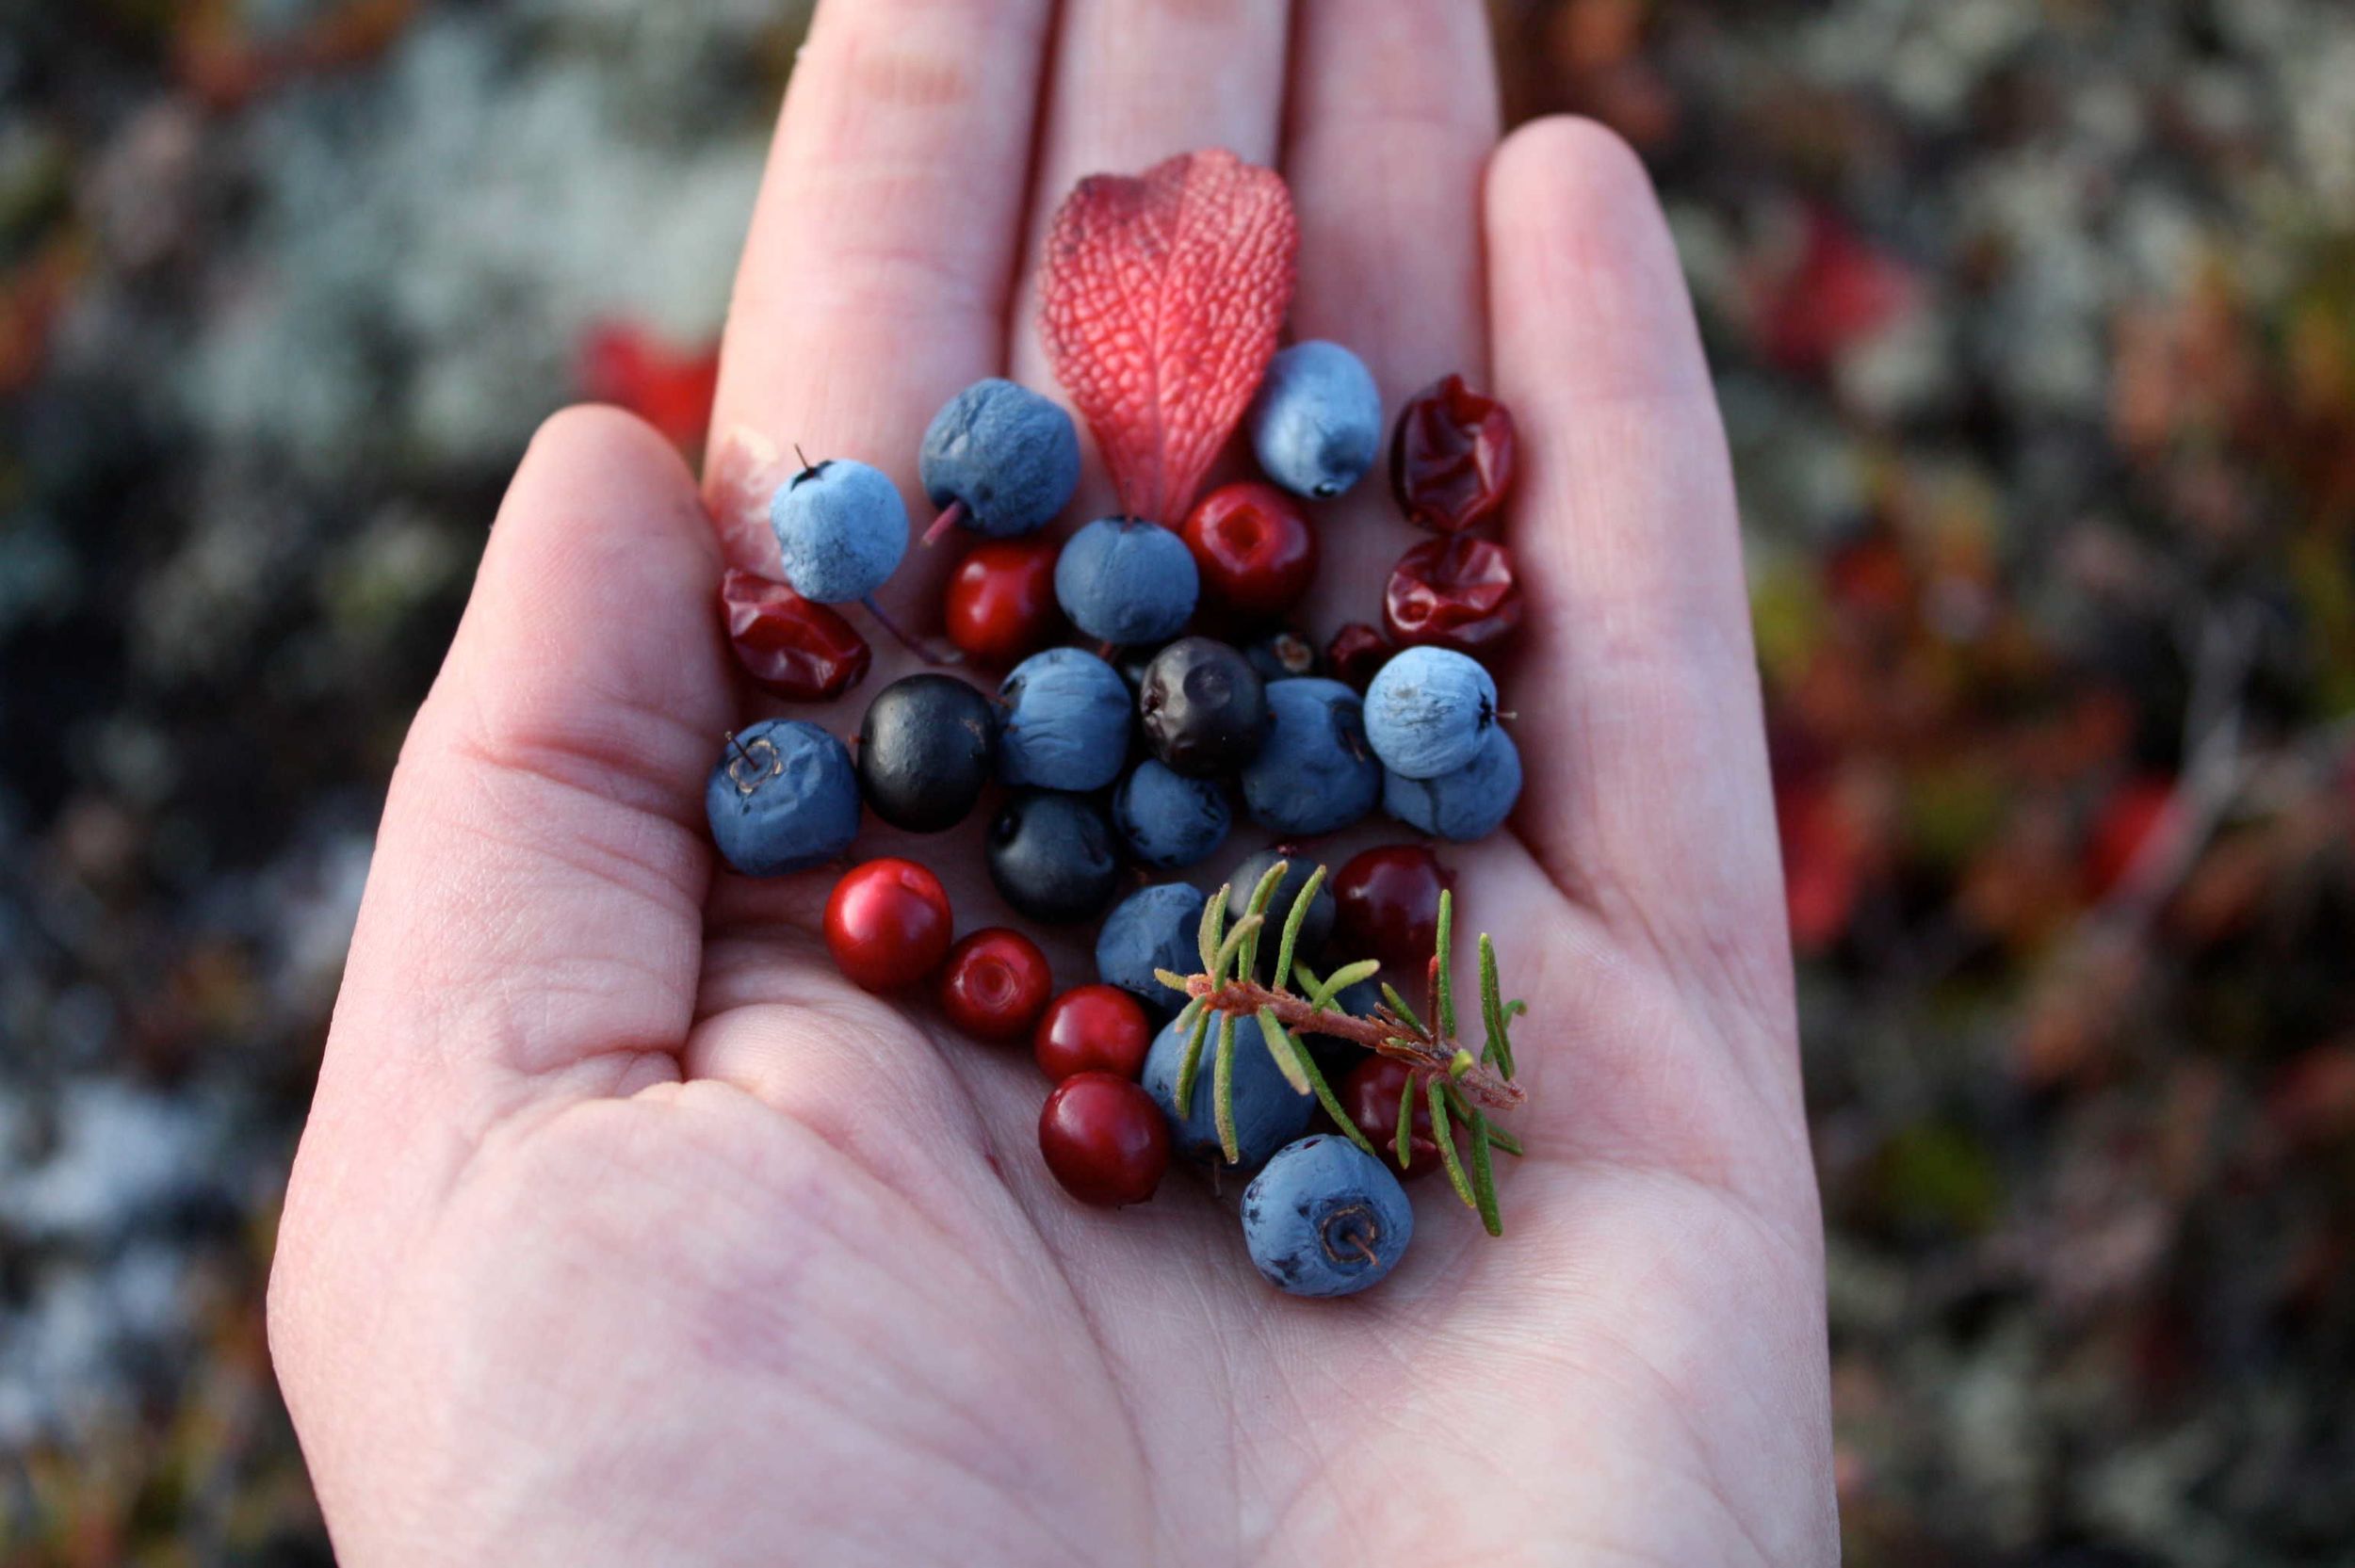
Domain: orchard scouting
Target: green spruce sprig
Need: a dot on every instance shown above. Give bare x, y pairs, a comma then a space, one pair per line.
1459, 1088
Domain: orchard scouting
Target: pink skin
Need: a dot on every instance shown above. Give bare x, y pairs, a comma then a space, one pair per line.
625, 1230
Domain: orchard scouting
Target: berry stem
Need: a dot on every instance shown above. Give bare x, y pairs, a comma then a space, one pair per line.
906, 638
950, 516
1383, 1032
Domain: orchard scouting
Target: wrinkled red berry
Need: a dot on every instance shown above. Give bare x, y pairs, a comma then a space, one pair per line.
1000, 605
1357, 655
791, 648
1451, 456
1370, 1093
887, 924
1456, 593
1104, 1140
1256, 551
1386, 906
1093, 1029
995, 984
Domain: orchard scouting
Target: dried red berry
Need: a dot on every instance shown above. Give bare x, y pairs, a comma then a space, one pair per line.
791, 648
1451, 456
1160, 301
1000, 605
1357, 655
1256, 551
1456, 593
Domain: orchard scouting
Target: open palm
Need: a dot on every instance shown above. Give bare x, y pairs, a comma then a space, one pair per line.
625, 1230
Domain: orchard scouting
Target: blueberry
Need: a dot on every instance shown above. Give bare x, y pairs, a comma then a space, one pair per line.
1465, 805
842, 528
1154, 927
1317, 423
1316, 774
924, 751
1204, 708
1269, 1112
1124, 580
1167, 819
1067, 724
1283, 656
1325, 1217
1008, 454
784, 797
1428, 710
1052, 856
1314, 927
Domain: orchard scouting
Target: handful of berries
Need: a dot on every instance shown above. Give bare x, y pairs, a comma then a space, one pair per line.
1154, 692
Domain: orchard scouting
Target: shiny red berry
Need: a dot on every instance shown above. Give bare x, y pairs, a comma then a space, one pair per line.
1000, 605
1370, 1093
996, 985
1093, 1029
1256, 551
1104, 1140
1456, 593
791, 648
1451, 456
1357, 655
1386, 906
887, 924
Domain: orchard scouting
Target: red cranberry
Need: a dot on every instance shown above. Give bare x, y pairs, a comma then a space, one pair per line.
1001, 600
1386, 906
1451, 456
1455, 594
796, 649
1357, 655
1104, 1140
1256, 551
996, 985
887, 924
1369, 1094
1093, 1029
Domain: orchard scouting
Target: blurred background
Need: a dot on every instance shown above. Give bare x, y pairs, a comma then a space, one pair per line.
2035, 325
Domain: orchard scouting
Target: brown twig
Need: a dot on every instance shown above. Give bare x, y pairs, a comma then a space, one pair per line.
1382, 1031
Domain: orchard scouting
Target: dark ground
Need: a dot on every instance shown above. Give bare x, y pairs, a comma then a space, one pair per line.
2036, 331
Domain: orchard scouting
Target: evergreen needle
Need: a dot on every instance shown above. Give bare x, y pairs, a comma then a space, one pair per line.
1403, 1140
1443, 981
1223, 1089
1292, 923
1440, 1131
1213, 928
1190, 1065
1398, 1005
1485, 1177
1284, 1049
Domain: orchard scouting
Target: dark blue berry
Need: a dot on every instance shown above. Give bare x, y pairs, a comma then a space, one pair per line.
1325, 1217
1204, 708
1011, 456
1124, 580
841, 527
1316, 774
924, 751
1066, 721
1315, 424
1154, 927
1428, 710
1052, 856
1465, 805
783, 798
1269, 1112
1167, 819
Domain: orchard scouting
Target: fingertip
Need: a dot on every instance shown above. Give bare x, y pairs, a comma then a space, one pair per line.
594, 457
1581, 248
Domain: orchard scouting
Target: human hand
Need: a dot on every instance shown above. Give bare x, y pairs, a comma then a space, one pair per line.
625, 1230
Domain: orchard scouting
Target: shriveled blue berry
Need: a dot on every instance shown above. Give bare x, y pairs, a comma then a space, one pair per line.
1009, 455
1315, 424
1066, 721
1124, 580
783, 798
1154, 927
1471, 803
1167, 819
1428, 710
1315, 774
842, 529
1269, 1112
1326, 1219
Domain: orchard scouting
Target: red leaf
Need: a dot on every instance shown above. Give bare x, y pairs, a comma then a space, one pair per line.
1160, 301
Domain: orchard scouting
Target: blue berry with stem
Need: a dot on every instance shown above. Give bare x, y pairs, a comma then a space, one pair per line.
1326, 1219
1467, 804
1066, 721
1315, 773
841, 527
1428, 711
1124, 580
1154, 927
783, 798
1269, 1112
1169, 820
1316, 423
999, 459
